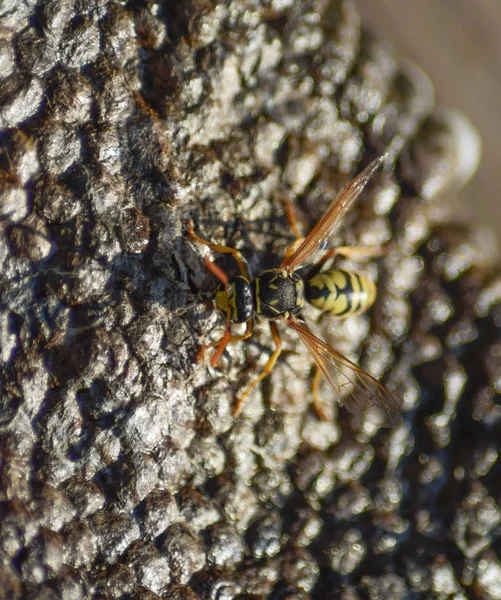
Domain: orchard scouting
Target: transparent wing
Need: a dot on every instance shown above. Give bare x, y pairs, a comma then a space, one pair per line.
336, 211
359, 391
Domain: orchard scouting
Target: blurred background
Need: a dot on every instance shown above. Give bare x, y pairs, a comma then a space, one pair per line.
458, 44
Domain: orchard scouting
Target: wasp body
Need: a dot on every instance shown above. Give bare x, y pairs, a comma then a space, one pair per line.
280, 294
277, 294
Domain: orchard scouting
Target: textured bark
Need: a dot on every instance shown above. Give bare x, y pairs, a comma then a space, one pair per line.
123, 474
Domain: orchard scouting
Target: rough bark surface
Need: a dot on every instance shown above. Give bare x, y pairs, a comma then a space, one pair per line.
122, 472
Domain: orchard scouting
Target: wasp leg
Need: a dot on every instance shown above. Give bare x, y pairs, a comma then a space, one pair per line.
268, 368
217, 248
353, 252
216, 271
357, 252
290, 213
227, 338
221, 344
315, 389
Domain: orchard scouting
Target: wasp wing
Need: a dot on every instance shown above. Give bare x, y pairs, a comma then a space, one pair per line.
359, 391
333, 216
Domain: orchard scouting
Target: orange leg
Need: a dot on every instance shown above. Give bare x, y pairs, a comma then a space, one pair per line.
315, 389
227, 338
290, 213
216, 271
360, 252
354, 252
217, 248
268, 368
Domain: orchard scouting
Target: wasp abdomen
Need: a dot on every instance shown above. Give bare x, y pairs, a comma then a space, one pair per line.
341, 293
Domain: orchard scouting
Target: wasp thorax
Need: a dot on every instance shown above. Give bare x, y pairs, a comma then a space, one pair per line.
279, 294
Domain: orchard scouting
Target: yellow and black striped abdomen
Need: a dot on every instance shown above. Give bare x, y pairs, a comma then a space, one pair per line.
341, 293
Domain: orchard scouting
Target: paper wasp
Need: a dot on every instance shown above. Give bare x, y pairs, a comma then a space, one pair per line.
280, 295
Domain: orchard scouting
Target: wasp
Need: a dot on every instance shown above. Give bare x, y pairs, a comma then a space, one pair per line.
279, 295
